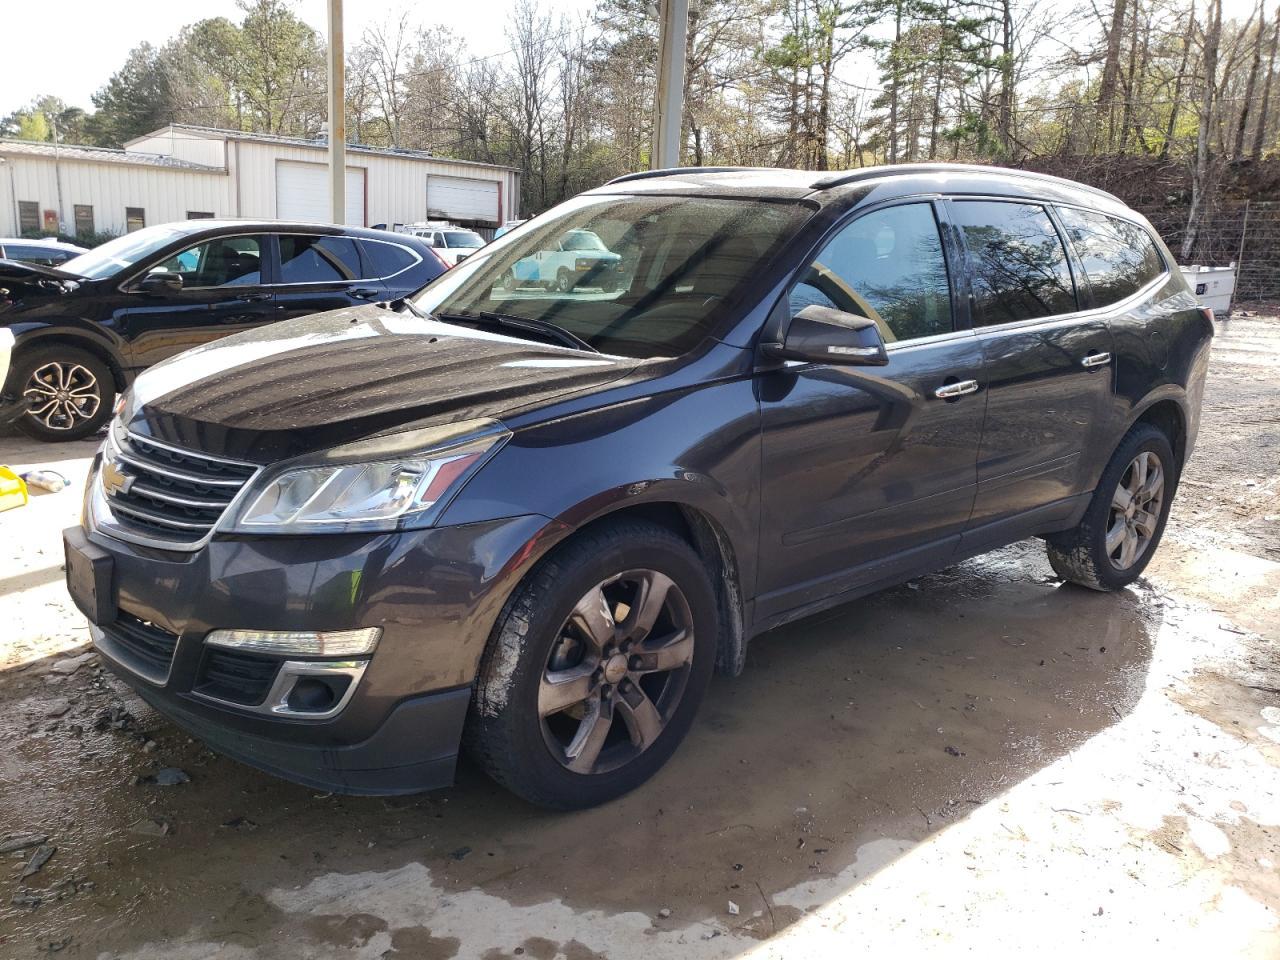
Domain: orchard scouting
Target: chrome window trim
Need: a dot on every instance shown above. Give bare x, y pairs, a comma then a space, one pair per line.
1091, 312
417, 257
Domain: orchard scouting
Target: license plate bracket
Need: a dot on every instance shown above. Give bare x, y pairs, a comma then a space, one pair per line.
90, 577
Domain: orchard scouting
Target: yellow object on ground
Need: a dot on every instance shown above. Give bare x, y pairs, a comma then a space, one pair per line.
13, 490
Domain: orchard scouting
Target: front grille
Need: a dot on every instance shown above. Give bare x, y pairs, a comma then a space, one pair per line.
236, 677
176, 496
145, 647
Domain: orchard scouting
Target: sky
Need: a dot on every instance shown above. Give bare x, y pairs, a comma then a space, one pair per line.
76, 63
73, 64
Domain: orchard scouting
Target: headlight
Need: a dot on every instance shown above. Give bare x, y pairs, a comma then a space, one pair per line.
382, 494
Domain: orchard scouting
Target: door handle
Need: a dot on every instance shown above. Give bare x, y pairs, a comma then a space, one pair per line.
949, 391
255, 297
1095, 360
365, 293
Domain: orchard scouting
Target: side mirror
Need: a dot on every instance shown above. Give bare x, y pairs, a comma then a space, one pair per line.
825, 335
160, 284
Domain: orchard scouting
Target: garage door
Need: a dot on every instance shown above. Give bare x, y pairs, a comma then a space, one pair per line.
460, 198
302, 193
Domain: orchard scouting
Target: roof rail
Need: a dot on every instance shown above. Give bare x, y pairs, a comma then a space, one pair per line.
648, 174
842, 177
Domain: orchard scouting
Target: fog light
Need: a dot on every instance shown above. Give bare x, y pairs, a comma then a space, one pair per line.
299, 643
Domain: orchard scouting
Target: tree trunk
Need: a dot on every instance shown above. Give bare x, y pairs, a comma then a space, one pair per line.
1259, 138
1254, 66
1111, 70
1178, 80
893, 82
1130, 91
1201, 185
1006, 80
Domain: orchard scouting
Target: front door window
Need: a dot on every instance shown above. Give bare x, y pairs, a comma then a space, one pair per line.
220, 262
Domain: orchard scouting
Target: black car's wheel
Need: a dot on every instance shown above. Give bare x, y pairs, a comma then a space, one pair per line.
1124, 522
596, 667
564, 281
69, 392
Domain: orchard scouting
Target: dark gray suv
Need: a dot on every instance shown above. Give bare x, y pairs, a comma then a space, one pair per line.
534, 521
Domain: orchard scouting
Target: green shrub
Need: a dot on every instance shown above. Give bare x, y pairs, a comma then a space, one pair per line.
95, 239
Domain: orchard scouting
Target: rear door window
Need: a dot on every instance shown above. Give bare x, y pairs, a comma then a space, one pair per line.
1017, 264
387, 259
887, 266
310, 259
1119, 257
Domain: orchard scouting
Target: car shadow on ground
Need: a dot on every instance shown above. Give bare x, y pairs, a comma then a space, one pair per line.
882, 720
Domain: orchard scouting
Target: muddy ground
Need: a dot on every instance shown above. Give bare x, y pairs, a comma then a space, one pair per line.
980, 761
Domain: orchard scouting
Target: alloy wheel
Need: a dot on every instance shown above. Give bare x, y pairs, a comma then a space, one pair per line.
616, 672
62, 395
1135, 510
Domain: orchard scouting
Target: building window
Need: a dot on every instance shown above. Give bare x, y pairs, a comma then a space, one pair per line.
199, 215
135, 218
28, 216
84, 219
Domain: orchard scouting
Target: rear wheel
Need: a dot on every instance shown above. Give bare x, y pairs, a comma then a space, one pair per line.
596, 668
69, 393
564, 280
1126, 517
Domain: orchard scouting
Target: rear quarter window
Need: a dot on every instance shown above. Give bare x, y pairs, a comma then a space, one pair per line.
1119, 257
387, 259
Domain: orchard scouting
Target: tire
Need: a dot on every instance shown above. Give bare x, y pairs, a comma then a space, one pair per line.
564, 281
1081, 555
70, 392
519, 732
609, 285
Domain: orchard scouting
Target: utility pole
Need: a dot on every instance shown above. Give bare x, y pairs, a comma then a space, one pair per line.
337, 118
668, 103
57, 168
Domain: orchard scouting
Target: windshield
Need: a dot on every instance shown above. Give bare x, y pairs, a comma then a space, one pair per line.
462, 239
632, 276
581, 240
121, 253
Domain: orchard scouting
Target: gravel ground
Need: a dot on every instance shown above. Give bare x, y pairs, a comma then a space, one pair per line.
981, 761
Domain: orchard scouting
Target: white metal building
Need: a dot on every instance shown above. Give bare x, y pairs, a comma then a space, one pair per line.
181, 172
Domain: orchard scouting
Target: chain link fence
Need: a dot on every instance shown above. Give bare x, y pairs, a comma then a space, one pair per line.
1245, 233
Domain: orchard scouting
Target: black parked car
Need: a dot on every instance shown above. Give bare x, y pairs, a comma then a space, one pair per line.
535, 521
83, 329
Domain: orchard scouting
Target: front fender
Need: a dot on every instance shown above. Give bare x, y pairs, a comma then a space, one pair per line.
697, 449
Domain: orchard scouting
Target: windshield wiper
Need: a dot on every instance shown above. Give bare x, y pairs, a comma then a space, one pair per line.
543, 329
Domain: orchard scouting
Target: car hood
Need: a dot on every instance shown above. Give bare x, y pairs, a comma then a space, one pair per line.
18, 270
319, 381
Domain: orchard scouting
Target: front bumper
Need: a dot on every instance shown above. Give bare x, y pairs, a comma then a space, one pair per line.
436, 594
11, 408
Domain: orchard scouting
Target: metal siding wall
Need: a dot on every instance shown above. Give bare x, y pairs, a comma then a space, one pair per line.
166, 195
396, 187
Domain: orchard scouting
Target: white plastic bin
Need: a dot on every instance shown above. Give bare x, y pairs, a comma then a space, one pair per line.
1213, 286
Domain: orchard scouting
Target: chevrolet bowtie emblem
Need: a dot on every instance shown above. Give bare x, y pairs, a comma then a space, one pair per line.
114, 480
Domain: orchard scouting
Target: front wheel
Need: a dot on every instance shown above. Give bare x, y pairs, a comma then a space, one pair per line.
596, 667
69, 393
564, 281
1125, 520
